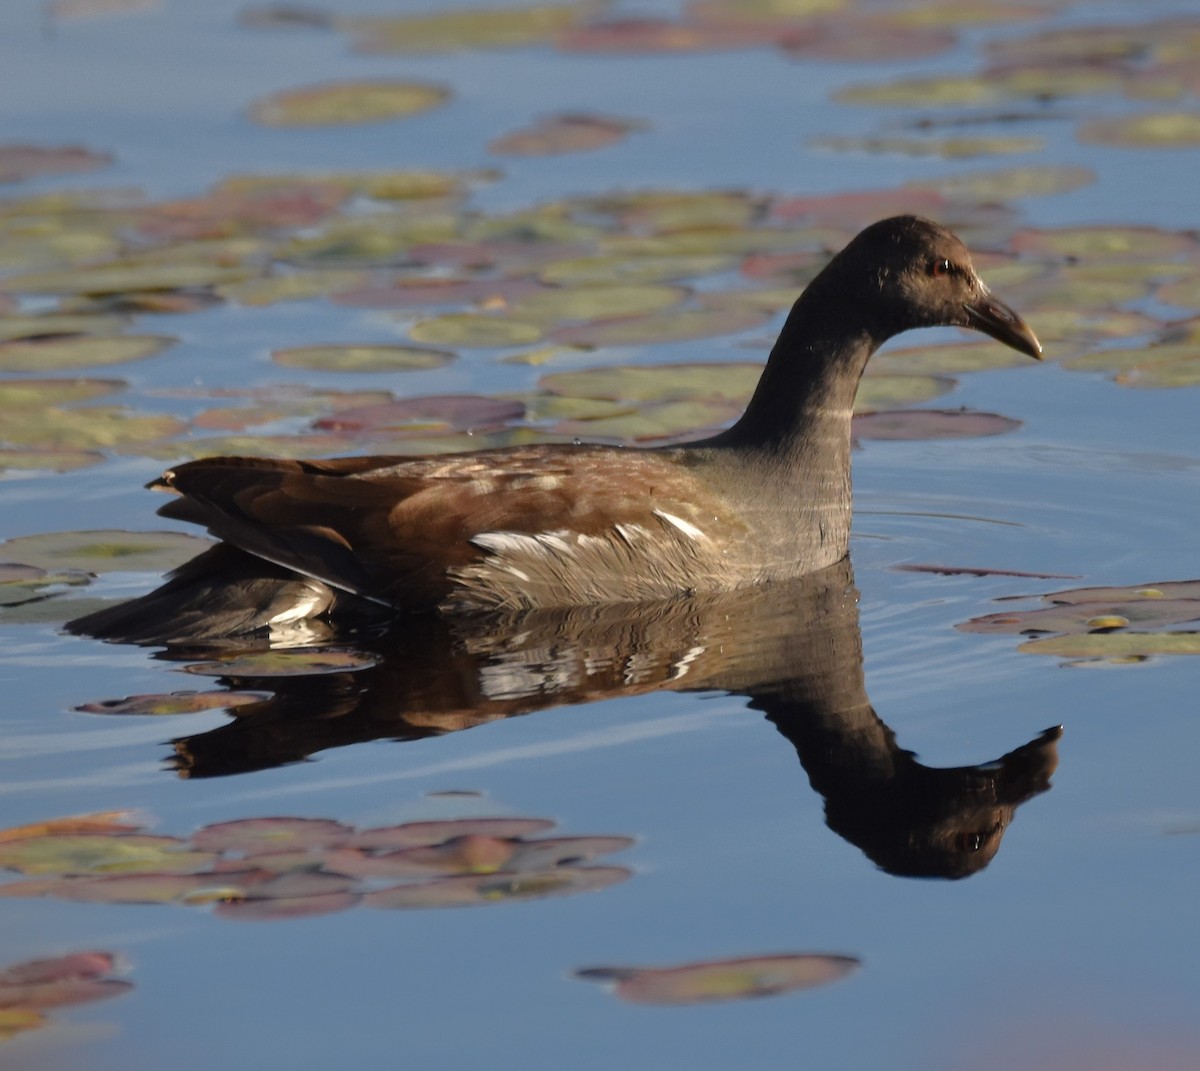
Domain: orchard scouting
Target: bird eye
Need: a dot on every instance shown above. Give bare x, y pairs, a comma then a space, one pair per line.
938, 268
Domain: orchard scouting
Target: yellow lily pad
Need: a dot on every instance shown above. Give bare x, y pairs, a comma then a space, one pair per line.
462, 30
48, 460
1119, 646
94, 427
299, 286
594, 302
102, 853
888, 391
472, 329
1011, 184
16, 326
119, 277
1163, 130
658, 383
79, 351
23, 393
622, 269
665, 326
945, 148
361, 358
342, 103
945, 360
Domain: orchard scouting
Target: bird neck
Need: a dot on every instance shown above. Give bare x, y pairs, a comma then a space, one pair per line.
801, 409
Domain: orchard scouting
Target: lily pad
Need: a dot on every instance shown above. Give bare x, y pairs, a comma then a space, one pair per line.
339, 104
570, 132
251, 836
657, 383
120, 277
1012, 184
475, 330
945, 360
953, 148
1076, 618
623, 269
477, 890
298, 286
594, 302
105, 550
1162, 130
99, 853
1088, 244
462, 29
79, 351
21, 393
930, 424
260, 909
48, 460
886, 391
1118, 646
667, 326
462, 412
719, 980
19, 162
415, 834
172, 703
362, 358
282, 663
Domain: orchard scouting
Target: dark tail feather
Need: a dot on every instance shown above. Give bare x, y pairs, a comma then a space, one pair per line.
219, 594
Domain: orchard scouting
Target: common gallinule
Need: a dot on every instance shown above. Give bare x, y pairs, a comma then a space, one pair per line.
561, 525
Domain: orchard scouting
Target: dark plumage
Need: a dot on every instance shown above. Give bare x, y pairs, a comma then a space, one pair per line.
557, 525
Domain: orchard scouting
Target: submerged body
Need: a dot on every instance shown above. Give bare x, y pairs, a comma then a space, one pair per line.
558, 525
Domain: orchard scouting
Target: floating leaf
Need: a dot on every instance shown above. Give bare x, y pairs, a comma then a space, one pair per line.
343, 103
24, 583
172, 703
1088, 616
594, 302
991, 87
15, 1020
298, 286
624, 269
945, 148
472, 890
912, 424
415, 834
252, 836
21, 393
260, 909
667, 326
79, 351
564, 133
666, 420
120, 277
48, 460
100, 822
1165, 130
657, 383
1171, 589
717, 980
1119, 646
463, 29
361, 358
1012, 184
97, 853
945, 360
460, 411
1088, 244
20, 162
471, 330
634, 35
422, 292
886, 391
60, 992
105, 550
281, 663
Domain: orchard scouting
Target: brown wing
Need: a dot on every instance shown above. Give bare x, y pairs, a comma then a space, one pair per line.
415, 532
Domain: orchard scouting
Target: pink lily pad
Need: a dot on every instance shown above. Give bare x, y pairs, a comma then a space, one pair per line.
461, 412
20, 162
173, 703
930, 424
252, 836
416, 834
477, 890
338, 104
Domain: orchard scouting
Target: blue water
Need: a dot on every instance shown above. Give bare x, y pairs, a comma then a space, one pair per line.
1076, 947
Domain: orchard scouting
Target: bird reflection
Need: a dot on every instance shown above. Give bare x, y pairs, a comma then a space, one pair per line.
793, 649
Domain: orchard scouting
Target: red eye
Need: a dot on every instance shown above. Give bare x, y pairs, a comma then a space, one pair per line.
938, 268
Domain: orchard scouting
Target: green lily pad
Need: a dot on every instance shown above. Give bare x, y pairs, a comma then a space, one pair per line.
79, 351
52, 610
104, 551
282, 663
475, 329
1162, 130
20, 583
1089, 244
172, 703
298, 446
415, 834
930, 424
666, 420
991, 87
1169, 365
361, 358
657, 383
1082, 617
341, 103
22, 393
945, 360
97, 427
1116, 646
887, 391
298, 286
945, 148
594, 302
462, 30
120, 277
13, 326
1011, 184
719, 980
666, 326
623, 269
102, 853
